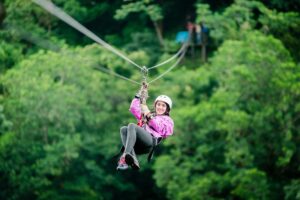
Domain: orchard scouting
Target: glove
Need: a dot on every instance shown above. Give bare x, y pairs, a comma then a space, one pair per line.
145, 109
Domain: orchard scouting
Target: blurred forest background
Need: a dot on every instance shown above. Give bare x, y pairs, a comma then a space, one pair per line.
237, 115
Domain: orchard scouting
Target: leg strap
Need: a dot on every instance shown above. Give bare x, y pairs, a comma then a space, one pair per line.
156, 142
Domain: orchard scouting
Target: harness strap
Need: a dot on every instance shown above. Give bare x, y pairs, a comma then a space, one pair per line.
155, 143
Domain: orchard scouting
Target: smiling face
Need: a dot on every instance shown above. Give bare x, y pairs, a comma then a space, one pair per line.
160, 107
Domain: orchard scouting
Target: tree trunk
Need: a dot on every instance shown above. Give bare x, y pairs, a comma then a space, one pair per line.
158, 30
204, 39
203, 53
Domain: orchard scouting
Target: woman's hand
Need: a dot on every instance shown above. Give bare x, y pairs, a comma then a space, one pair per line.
142, 91
145, 109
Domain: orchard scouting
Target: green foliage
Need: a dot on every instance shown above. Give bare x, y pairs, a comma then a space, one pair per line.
62, 110
238, 130
152, 10
243, 16
147, 44
25, 18
284, 26
21, 13
81, 10
236, 117
251, 184
292, 190
232, 23
5, 124
10, 54
286, 5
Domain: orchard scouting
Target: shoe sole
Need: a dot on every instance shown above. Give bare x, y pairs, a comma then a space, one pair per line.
122, 168
130, 161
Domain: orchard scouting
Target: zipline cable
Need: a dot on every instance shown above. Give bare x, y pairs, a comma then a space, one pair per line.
110, 72
51, 8
174, 65
173, 57
185, 48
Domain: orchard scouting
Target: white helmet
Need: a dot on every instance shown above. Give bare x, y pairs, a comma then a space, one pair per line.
165, 99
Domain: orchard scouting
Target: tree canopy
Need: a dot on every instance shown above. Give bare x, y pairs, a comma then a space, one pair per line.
236, 116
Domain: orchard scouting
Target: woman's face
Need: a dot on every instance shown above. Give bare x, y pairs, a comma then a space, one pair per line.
160, 107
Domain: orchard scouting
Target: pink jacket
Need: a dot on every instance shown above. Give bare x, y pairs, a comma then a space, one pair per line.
158, 126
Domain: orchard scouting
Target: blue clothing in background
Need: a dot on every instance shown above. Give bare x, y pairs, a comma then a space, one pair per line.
182, 36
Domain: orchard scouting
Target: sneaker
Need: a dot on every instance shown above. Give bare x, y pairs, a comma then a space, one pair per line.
122, 165
132, 161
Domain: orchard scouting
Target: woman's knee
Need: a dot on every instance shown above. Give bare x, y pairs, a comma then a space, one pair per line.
123, 129
131, 128
131, 125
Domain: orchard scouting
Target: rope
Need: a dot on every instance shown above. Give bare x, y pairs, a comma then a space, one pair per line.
174, 65
110, 72
170, 59
184, 50
51, 8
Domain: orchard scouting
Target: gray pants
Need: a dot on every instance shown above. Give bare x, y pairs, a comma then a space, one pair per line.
135, 139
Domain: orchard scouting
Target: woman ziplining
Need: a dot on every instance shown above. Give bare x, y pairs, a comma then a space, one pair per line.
152, 127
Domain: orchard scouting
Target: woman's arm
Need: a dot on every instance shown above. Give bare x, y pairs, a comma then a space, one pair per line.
135, 108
